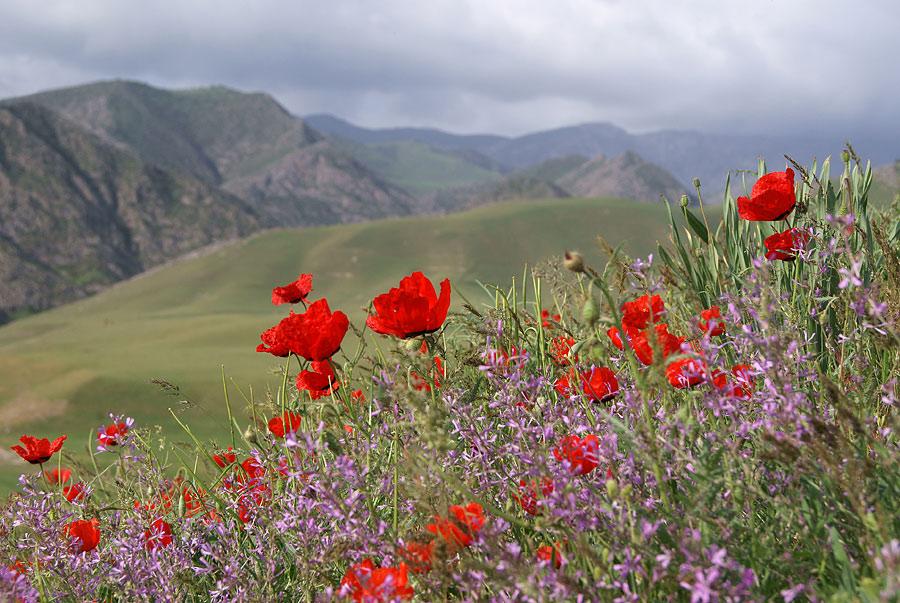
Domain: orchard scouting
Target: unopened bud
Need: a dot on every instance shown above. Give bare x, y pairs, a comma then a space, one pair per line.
250, 435
589, 312
845, 156
612, 488
685, 201
696, 182
413, 344
574, 261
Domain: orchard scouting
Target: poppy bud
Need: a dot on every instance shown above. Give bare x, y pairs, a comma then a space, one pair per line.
685, 201
696, 182
589, 312
845, 156
574, 261
612, 488
250, 435
413, 344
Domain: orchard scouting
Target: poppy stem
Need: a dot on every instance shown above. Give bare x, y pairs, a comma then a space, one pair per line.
228, 407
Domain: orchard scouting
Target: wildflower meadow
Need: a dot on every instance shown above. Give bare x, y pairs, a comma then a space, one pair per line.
715, 422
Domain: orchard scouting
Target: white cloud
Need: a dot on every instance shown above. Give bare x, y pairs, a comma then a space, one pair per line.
501, 66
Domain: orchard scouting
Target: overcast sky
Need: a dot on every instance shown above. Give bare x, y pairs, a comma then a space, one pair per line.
509, 67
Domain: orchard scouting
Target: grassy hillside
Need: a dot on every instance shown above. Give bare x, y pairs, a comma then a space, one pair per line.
63, 370
417, 167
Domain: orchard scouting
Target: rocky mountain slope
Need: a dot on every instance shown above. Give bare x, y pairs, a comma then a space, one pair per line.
77, 214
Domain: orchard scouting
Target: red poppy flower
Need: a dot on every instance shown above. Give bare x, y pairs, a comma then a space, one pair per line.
365, 582
112, 434
159, 535
711, 322
288, 422
75, 492
548, 553
225, 458
581, 453
643, 348
18, 568
293, 293
274, 342
411, 310
545, 319
528, 498
319, 382
418, 556
784, 245
58, 476
38, 451
253, 469
563, 386
560, 346
686, 372
461, 525
87, 534
772, 198
615, 338
315, 334
600, 384
250, 501
437, 373
358, 396
742, 387
640, 313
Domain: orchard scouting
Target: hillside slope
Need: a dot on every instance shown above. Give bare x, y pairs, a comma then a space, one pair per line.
229, 138
77, 214
64, 369
627, 175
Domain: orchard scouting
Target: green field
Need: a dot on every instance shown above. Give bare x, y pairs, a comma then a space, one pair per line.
63, 370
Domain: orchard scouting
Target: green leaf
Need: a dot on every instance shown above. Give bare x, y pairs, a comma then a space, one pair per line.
696, 225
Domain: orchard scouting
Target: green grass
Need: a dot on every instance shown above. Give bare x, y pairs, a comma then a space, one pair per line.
417, 167
65, 369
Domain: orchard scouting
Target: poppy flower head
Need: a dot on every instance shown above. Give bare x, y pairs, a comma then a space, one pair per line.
528, 497
57, 476
317, 333
225, 458
548, 321
418, 556
74, 493
615, 337
158, 535
772, 198
460, 526
412, 309
86, 534
642, 343
563, 385
582, 454
358, 396
319, 382
364, 582
641, 312
550, 554
437, 373
293, 293
38, 451
785, 245
711, 321
686, 372
600, 384
560, 346
739, 385
274, 342
288, 422
113, 434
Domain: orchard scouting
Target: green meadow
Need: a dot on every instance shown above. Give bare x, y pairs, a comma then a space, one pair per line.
63, 370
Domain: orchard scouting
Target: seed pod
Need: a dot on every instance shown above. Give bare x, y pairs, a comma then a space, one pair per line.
574, 261
685, 201
589, 312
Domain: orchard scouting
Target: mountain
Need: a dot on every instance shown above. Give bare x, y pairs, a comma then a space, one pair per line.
77, 213
685, 154
245, 143
627, 176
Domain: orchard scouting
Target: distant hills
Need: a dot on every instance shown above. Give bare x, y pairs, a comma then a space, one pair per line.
102, 181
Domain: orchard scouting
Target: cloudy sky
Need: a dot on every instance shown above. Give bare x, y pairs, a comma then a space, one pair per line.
489, 65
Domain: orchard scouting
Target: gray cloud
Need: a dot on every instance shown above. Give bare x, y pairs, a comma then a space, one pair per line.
500, 66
